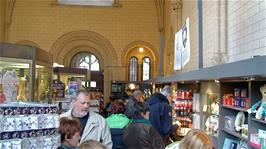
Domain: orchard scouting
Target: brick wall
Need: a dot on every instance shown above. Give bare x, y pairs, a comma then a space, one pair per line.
173, 24
43, 23
246, 29
190, 10
210, 32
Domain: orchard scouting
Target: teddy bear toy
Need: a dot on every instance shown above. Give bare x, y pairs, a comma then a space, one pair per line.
260, 107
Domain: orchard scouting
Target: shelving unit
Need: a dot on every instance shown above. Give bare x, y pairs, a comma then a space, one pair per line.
227, 78
234, 108
256, 96
118, 88
259, 121
183, 106
236, 134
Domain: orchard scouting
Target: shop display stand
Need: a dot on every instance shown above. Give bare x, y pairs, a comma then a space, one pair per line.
249, 75
184, 106
31, 64
210, 109
29, 126
255, 95
228, 112
225, 110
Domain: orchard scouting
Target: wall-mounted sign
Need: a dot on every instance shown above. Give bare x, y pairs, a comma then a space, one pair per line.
182, 47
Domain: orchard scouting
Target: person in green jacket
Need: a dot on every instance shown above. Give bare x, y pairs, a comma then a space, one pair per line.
117, 121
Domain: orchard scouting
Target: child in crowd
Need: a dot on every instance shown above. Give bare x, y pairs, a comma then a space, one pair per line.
92, 144
140, 134
70, 133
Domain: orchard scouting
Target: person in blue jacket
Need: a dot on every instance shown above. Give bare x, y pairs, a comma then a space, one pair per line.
161, 112
117, 122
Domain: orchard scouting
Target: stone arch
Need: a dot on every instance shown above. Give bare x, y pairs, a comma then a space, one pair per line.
151, 49
134, 44
72, 53
28, 42
66, 46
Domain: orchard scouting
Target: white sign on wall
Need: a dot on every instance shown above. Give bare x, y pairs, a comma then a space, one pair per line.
182, 47
177, 52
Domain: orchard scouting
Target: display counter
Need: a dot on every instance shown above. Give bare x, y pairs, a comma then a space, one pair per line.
227, 93
25, 73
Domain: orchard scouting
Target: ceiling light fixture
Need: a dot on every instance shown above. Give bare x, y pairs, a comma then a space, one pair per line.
140, 49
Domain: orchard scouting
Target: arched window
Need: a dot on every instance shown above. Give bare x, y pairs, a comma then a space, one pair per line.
85, 60
133, 69
146, 67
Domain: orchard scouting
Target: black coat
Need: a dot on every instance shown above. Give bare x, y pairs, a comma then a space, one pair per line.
141, 135
161, 114
130, 110
117, 138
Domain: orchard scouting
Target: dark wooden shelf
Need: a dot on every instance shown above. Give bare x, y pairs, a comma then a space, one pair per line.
236, 134
257, 120
235, 108
212, 136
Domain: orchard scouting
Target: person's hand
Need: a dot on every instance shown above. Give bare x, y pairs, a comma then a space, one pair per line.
174, 128
175, 131
174, 134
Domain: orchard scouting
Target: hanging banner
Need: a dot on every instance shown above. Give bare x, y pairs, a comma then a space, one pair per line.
177, 52
182, 47
185, 43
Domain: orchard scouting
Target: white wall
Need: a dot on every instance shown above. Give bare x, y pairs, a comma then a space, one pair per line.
190, 10
246, 29
210, 32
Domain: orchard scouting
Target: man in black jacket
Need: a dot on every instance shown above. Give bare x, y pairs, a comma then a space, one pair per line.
137, 96
161, 112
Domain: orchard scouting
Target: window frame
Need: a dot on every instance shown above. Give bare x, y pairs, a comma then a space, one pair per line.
142, 69
137, 68
77, 63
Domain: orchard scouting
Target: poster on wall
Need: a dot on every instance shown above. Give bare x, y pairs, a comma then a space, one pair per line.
177, 52
182, 47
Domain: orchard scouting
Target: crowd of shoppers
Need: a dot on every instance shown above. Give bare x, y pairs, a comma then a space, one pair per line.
93, 125
137, 125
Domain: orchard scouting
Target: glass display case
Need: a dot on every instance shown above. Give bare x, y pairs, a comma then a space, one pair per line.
119, 89
71, 75
25, 73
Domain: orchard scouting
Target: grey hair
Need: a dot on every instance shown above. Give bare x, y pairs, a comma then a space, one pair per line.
167, 90
137, 93
81, 91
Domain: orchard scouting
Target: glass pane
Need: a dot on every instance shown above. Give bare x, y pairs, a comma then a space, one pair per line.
93, 58
95, 66
15, 78
85, 60
133, 69
84, 65
42, 83
146, 69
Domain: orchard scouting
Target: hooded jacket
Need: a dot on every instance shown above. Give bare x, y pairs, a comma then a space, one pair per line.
141, 135
160, 114
117, 123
